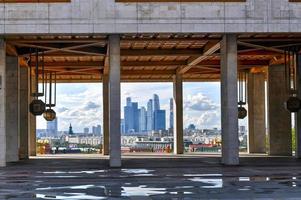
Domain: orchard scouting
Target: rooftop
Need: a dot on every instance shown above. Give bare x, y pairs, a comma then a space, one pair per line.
149, 177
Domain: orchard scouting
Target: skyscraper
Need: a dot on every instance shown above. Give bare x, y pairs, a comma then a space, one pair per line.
142, 119
52, 128
171, 114
96, 130
160, 120
135, 116
156, 102
122, 126
150, 113
128, 101
86, 130
131, 116
128, 116
159, 116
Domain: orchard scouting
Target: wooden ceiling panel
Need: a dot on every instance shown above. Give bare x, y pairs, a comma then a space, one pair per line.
148, 57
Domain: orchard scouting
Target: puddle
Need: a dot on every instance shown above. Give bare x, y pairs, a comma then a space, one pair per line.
184, 187
203, 175
244, 179
143, 175
137, 171
209, 183
73, 196
142, 190
76, 172
75, 187
56, 176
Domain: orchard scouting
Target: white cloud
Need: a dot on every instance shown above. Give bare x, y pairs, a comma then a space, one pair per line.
199, 102
202, 111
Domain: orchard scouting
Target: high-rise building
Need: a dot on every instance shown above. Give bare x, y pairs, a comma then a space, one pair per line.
122, 126
150, 114
131, 116
96, 130
156, 102
135, 116
128, 101
86, 130
142, 119
160, 120
128, 116
52, 128
171, 115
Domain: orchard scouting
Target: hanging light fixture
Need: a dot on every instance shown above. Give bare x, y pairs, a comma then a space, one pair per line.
50, 114
37, 106
293, 103
242, 94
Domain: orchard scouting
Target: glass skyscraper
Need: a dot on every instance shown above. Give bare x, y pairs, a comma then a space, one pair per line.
131, 116
128, 116
156, 102
150, 114
142, 120
160, 120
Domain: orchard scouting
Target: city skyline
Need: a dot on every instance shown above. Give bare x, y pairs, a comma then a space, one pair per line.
138, 119
81, 104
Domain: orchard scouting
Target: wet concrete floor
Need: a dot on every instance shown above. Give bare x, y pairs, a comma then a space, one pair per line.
145, 178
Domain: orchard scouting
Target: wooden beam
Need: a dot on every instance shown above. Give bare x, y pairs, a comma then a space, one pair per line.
161, 52
72, 64
216, 63
74, 47
147, 72
11, 50
106, 62
51, 49
153, 63
167, 40
256, 46
56, 40
209, 49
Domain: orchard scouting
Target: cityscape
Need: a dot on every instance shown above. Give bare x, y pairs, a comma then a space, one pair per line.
145, 119
143, 129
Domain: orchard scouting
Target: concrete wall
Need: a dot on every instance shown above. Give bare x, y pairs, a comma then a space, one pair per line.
106, 16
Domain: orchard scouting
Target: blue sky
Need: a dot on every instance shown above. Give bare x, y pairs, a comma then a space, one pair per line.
81, 103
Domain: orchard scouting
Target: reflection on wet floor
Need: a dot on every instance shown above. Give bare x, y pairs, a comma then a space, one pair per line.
55, 182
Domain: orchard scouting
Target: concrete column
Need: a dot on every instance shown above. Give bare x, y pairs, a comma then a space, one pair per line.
256, 112
23, 113
229, 111
280, 132
114, 101
178, 114
32, 128
105, 107
298, 115
2, 104
12, 109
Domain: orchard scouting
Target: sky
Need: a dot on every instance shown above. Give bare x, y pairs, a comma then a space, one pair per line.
81, 103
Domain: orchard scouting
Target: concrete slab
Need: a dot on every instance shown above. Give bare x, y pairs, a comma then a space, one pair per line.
173, 178
80, 16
